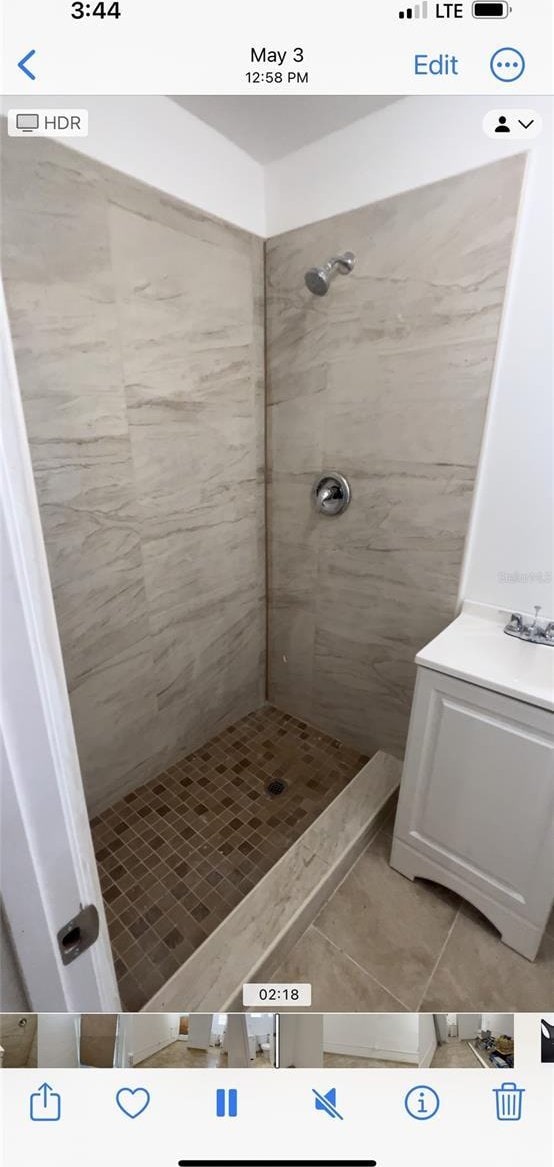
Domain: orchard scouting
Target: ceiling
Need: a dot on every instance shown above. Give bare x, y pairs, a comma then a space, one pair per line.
268, 127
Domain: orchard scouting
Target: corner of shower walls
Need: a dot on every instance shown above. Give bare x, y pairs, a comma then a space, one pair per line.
182, 389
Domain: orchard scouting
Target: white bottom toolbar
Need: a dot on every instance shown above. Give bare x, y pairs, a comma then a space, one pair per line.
167, 1118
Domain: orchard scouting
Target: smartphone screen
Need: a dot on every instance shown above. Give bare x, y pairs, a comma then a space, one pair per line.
277, 592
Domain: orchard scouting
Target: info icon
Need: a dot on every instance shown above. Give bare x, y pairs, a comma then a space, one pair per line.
422, 1103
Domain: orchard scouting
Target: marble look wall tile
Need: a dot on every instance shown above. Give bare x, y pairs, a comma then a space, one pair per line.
297, 427
354, 807
66, 347
138, 329
292, 631
198, 652
113, 709
385, 379
191, 341
377, 402
181, 550
89, 521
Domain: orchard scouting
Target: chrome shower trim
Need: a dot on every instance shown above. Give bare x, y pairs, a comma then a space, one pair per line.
318, 279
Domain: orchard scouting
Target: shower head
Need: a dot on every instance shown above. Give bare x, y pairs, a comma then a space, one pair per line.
318, 279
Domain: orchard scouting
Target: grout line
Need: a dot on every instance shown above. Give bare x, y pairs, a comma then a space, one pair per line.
437, 962
361, 967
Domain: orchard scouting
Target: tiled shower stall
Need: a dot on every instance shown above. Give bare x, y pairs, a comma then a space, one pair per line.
182, 390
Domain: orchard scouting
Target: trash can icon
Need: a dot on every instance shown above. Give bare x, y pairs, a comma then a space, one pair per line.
509, 1101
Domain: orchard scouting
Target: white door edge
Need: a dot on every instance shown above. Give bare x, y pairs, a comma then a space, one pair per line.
48, 864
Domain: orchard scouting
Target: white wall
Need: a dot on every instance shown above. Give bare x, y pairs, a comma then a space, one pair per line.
142, 1034
200, 1030
158, 142
406, 145
301, 1040
510, 550
58, 1040
421, 140
394, 1036
218, 1026
499, 1023
236, 1042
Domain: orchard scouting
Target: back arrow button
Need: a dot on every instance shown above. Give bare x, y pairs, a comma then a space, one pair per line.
22, 64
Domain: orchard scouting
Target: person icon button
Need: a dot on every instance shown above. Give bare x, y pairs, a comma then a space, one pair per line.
422, 1102
502, 127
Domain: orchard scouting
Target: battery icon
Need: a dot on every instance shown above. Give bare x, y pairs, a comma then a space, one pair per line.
492, 11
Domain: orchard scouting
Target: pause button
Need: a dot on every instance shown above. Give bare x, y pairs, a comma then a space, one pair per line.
226, 1103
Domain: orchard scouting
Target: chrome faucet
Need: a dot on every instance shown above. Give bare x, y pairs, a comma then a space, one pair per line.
535, 631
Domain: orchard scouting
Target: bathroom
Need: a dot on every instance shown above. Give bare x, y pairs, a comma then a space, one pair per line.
224, 667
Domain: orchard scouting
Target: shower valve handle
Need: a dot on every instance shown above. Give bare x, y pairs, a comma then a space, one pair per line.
328, 492
331, 493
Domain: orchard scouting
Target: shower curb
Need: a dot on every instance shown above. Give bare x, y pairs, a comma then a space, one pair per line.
257, 935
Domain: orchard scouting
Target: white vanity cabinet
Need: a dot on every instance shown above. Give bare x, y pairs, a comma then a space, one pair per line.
476, 807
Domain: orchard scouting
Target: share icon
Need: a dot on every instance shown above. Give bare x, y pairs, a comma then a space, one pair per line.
327, 1102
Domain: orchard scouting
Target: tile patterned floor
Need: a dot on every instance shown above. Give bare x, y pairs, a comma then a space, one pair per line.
456, 1054
345, 1062
179, 1056
178, 854
384, 943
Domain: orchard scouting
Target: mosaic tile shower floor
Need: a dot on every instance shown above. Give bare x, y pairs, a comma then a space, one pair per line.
178, 854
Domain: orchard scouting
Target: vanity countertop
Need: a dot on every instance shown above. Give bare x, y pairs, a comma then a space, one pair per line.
476, 649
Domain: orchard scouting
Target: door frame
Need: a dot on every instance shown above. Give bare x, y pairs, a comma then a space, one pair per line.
48, 864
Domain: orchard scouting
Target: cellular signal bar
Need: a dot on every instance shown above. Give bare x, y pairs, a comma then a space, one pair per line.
419, 11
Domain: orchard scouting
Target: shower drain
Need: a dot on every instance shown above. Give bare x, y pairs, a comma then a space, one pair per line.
275, 787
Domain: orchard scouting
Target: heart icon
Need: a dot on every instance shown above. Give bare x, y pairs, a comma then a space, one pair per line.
132, 1102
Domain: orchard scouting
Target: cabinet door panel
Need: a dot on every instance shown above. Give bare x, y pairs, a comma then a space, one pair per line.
486, 790
478, 788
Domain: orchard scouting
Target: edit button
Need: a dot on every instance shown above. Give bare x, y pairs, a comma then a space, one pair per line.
444, 65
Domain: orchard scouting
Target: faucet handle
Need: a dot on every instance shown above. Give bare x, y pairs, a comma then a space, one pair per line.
331, 493
534, 632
